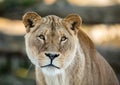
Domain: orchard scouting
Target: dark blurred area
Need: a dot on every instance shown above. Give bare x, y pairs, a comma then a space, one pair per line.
101, 21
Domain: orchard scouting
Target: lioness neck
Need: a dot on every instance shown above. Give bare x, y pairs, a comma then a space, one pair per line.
68, 76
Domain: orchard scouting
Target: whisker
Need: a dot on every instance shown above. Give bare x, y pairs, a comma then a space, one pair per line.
27, 72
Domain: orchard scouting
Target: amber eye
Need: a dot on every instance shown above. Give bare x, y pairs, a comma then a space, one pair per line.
64, 38
41, 37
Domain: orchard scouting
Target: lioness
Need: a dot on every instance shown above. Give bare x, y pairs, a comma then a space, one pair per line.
63, 54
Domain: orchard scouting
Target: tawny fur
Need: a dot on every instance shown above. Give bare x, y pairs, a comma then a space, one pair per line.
81, 65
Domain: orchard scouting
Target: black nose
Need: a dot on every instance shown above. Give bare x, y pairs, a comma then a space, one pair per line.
51, 56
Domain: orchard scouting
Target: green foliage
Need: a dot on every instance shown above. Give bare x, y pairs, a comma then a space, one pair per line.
28, 2
10, 4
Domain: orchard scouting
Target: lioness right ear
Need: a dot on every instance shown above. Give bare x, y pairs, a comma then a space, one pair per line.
30, 20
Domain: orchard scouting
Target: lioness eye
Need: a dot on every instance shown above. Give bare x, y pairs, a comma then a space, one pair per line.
63, 38
42, 37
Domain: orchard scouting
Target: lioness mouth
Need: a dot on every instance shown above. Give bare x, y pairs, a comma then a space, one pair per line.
50, 65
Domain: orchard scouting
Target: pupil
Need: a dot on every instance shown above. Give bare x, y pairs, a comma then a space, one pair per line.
42, 37
63, 38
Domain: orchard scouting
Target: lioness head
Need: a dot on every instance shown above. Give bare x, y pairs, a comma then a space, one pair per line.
51, 40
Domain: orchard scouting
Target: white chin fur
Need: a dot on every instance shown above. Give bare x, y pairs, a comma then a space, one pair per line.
51, 71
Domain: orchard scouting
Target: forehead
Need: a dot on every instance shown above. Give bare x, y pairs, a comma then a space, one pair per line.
51, 19
52, 23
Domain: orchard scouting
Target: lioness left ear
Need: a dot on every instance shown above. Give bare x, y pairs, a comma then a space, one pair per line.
30, 20
75, 21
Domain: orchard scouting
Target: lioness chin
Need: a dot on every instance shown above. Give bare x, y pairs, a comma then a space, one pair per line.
62, 53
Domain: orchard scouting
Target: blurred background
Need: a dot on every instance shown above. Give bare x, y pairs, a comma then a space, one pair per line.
101, 21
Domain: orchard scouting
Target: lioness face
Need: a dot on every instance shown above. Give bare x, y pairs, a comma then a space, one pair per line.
50, 41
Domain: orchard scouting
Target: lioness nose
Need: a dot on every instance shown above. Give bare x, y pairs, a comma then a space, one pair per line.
51, 56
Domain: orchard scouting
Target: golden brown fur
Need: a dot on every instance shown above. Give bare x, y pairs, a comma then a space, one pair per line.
77, 61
